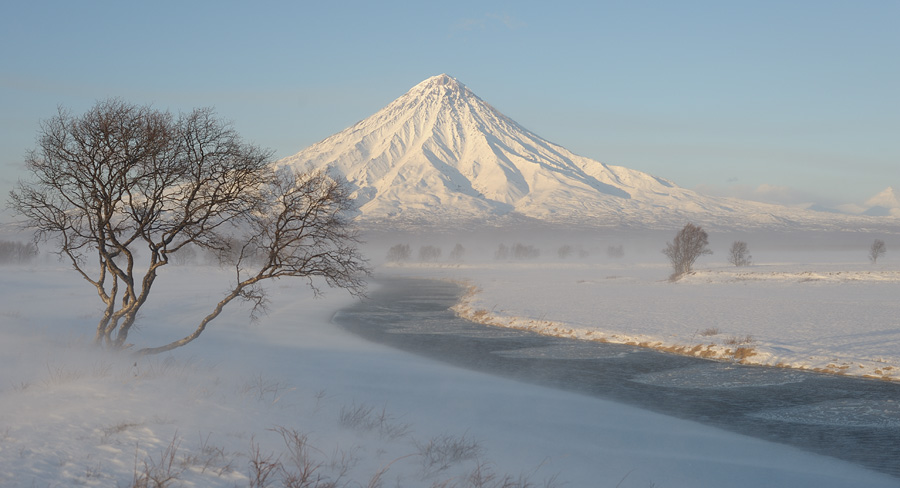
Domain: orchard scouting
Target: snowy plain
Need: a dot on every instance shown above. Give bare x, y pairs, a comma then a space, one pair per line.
841, 318
373, 416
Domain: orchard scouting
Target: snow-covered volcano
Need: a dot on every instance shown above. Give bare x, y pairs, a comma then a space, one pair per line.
441, 156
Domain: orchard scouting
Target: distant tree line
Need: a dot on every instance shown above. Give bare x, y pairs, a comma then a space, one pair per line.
12, 252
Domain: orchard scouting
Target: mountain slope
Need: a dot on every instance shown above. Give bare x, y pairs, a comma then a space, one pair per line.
441, 156
884, 203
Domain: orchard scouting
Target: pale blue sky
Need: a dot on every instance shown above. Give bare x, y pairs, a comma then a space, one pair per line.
802, 96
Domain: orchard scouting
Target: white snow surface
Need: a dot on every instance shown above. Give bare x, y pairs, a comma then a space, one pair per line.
840, 318
72, 415
440, 157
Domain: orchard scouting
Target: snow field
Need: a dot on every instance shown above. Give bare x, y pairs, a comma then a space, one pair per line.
829, 317
294, 391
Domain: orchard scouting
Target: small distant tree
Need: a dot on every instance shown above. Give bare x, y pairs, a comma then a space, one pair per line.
502, 252
739, 254
877, 250
17, 252
690, 243
616, 252
522, 251
565, 251
429, 253
458, 252
187, 255
399, 252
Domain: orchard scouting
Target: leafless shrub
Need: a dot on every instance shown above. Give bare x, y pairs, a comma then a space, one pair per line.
341, 462
399, 253
357, 417
709, 332
162, 472
616, 252
61, 374
429, 253
264, 389
167, 367
211, 458
445, 450
262, 466
366, 418
739, 254
484, 477
689, 244
376, 480
303, 470
738, 341
116, 429
319, 396
876, 250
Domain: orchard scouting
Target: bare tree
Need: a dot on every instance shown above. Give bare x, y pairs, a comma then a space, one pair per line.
123, 177
616, 252
458, 252
877, 250
399, 252
523, 251
17, 252
739, 254
502, 252
690, 243
429, 253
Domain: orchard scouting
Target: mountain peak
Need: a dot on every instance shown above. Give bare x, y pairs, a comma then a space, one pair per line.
439, 87
885, 198
441, 80
441, 156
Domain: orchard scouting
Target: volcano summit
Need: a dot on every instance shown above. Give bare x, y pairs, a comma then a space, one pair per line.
441, 157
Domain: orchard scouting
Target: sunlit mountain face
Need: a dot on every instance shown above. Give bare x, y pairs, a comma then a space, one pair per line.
439, 156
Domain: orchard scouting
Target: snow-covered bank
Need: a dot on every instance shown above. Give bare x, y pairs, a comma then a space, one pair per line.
831, 317
70, 415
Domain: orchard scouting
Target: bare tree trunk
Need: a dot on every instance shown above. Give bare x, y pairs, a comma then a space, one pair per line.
200, 328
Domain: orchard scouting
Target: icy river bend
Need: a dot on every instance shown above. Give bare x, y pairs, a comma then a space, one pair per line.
852, 419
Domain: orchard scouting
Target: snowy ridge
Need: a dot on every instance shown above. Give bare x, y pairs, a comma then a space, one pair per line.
439, 155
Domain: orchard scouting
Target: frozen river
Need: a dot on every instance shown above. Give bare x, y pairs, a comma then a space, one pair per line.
852, 419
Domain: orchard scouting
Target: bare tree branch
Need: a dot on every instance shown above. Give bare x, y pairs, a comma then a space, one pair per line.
122, 178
